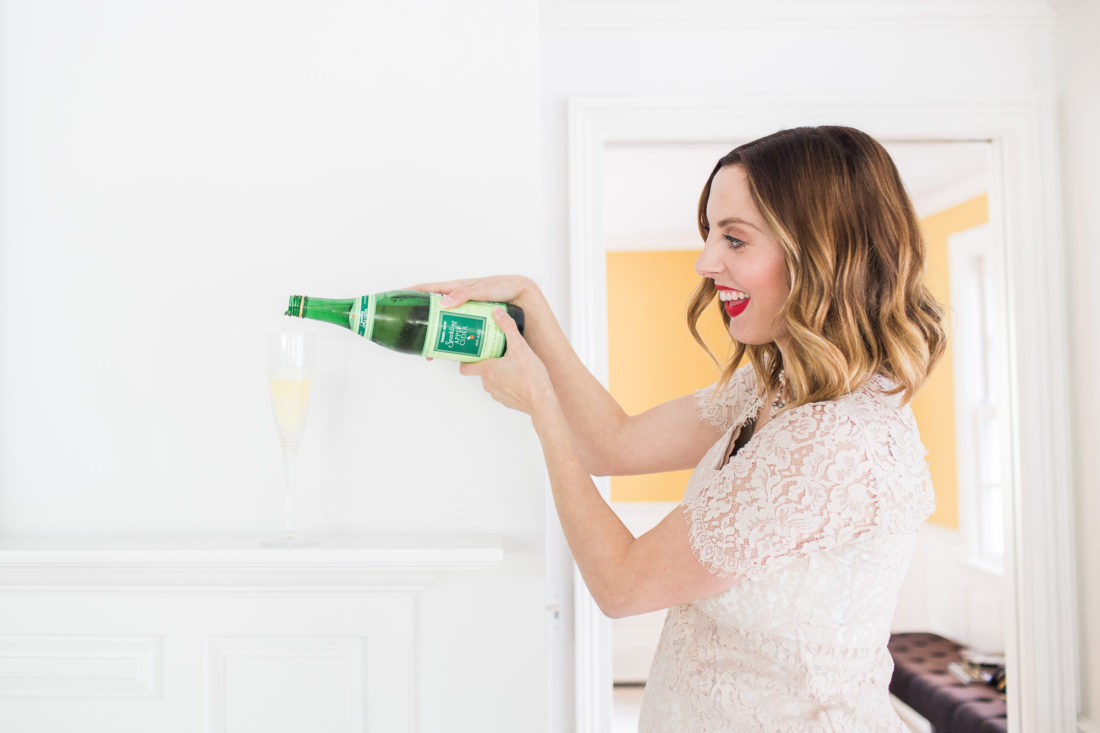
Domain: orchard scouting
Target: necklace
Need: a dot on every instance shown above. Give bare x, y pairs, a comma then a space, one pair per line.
779, 403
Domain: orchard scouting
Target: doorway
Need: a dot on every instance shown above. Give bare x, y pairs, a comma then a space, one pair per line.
1038, 620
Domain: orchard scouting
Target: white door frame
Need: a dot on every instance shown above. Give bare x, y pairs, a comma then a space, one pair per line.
1041, 643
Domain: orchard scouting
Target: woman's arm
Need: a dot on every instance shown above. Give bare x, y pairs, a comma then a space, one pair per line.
667, 437
626, 575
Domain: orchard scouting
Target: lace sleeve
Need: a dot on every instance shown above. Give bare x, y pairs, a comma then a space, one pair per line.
806, 484
724, 405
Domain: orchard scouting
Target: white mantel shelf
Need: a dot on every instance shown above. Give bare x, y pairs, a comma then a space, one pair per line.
367, 563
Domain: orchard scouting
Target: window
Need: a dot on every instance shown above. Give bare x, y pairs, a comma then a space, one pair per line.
978, 404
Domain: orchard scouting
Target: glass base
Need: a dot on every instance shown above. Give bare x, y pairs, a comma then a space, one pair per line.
289, 540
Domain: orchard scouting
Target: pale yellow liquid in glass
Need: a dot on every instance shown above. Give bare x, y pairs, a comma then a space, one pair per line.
290, 398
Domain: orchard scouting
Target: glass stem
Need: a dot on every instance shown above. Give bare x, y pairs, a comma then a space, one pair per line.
290, 462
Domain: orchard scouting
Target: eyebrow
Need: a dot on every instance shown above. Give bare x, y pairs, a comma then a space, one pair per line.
736, 220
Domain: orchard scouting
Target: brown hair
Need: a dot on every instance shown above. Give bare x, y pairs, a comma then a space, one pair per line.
855, 261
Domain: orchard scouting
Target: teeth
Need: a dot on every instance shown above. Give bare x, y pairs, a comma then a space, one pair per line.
727, 295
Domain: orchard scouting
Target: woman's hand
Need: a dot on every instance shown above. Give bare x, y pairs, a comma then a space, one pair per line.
515, 289
518, 379
499, 288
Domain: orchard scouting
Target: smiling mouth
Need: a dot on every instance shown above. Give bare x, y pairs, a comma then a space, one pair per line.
733, 301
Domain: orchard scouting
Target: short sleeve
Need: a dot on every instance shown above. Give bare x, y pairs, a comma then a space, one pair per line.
725, 404
804, 485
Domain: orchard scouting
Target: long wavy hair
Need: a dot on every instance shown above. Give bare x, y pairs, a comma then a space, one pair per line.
855, 262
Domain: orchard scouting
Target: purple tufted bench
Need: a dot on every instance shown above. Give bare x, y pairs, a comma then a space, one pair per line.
922, 682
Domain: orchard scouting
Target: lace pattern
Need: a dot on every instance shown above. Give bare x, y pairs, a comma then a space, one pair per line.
816, 517
818, 476
726, 405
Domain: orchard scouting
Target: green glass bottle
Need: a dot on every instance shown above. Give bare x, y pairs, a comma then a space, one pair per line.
412, 322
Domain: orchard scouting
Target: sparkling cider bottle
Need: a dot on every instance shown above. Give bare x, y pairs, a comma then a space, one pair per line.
412, 322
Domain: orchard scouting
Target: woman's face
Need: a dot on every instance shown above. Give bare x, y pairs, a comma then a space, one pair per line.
745, 260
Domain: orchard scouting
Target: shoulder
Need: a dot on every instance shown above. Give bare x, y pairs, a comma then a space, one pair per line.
877, 415
725, 404
866, 413
866, 438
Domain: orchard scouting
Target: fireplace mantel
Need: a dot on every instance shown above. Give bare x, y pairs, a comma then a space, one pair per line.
352, 562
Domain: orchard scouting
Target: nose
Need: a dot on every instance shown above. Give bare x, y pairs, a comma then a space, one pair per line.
708, 263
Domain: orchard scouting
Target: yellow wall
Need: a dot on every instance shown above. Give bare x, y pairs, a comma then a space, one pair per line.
934, 405
652, 357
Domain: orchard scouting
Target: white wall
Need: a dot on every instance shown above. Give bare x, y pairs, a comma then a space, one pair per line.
1078, 57
169, 173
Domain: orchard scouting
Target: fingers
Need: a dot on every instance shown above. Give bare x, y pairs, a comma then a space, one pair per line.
507, 324
498, 288
459, 291
450, 290
441, 287
471, 368
453, 299
466, 290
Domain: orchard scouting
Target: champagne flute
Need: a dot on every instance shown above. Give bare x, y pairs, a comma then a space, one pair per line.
292, 356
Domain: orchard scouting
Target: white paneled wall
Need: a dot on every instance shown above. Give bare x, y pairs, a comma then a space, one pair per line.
85, 668
275, 662
222, 635
169, 173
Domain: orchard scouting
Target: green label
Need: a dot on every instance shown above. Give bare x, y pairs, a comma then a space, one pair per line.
460, 334
465, 333
362, 318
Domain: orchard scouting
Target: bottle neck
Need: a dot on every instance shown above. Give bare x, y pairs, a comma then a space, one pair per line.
329, 310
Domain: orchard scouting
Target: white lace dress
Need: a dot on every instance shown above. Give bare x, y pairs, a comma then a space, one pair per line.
817, 514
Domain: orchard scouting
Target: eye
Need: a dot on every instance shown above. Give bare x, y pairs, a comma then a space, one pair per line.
735, 243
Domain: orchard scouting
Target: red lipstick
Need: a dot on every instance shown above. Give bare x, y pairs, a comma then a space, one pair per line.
736, 307
733, 307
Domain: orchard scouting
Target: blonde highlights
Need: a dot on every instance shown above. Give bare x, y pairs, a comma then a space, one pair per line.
855, 258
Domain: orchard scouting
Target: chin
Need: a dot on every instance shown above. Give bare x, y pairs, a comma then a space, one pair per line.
746, 338
749, 339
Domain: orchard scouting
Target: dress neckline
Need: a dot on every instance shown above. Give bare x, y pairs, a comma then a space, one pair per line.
751, 411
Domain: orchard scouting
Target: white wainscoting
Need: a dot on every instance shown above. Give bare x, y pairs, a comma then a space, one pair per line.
81, 667
327, 675
178, 635
946, 593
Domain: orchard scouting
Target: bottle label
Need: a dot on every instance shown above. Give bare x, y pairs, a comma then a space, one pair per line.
362, 318
465, 333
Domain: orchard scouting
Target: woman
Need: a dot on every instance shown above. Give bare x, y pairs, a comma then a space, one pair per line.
782, 565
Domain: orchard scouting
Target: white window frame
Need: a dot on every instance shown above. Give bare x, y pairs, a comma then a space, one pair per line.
974, 267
